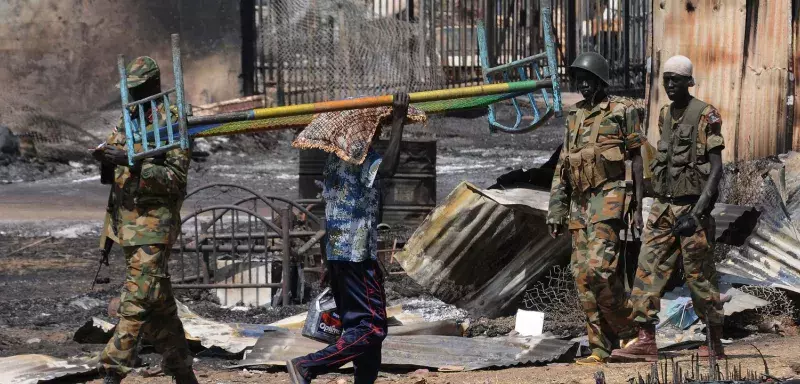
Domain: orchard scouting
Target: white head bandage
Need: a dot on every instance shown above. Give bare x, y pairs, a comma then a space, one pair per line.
679, 65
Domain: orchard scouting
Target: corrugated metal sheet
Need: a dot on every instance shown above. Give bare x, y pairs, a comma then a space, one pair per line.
762, 120
481, 249
796, 65
733, 222
31, 369
711, 33
473, 252
739, 301
770, 255
445, 353
740, 50
233, 338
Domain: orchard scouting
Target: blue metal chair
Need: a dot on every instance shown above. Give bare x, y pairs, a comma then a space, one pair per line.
135, 126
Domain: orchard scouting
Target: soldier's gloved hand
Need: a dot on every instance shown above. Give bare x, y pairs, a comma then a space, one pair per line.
555, 229
110, 155
685, 225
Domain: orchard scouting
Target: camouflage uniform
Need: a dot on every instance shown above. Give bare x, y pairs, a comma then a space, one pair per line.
678, 181
148, 200
588, 193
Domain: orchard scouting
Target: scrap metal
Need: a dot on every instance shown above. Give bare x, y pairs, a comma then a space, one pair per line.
481, 249
232, 338
770, 255
31, 369
481, 255
672, 337
445, 353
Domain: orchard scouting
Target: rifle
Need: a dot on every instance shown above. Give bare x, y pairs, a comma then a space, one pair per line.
107, 237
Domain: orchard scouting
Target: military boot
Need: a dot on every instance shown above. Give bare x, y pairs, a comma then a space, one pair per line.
714, 335
643, 349
186, 378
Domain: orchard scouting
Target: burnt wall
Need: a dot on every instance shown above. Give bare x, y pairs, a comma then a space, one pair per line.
62, 53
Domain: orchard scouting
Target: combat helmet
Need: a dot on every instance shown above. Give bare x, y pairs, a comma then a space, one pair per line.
594, 63
140, 70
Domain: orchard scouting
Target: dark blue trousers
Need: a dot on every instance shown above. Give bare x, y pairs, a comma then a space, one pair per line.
361, 304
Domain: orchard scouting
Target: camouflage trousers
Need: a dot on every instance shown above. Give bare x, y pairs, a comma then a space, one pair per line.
147, 310
659, 257
595, 255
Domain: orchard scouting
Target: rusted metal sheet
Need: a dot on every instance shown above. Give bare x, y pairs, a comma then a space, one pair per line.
741, 52
796, 71
445, 353
762, 116
712, 35
480, 255
481, 249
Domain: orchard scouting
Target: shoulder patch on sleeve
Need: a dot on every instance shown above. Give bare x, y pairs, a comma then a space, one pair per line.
713, 116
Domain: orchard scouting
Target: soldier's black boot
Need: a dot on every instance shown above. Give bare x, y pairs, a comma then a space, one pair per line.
112, 378
186, 378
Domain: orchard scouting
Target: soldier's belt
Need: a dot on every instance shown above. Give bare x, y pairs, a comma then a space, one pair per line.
680, 200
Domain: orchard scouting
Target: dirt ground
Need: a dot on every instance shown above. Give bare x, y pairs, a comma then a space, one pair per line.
781, 355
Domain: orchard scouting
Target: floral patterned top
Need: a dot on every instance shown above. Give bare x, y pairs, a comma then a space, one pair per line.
351, 208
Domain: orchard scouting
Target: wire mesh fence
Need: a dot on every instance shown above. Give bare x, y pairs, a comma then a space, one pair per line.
308, 50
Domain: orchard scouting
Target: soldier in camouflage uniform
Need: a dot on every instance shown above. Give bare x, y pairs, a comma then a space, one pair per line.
588, 196
686, 173
148, 198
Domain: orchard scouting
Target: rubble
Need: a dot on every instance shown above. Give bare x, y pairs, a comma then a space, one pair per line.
557, 297
432, 309
768, 256
491, 327
31, 369
87, 303
448, 253
444, 353
397, 315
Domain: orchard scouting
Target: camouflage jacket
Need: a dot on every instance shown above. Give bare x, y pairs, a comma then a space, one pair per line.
619, 126
148, 198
